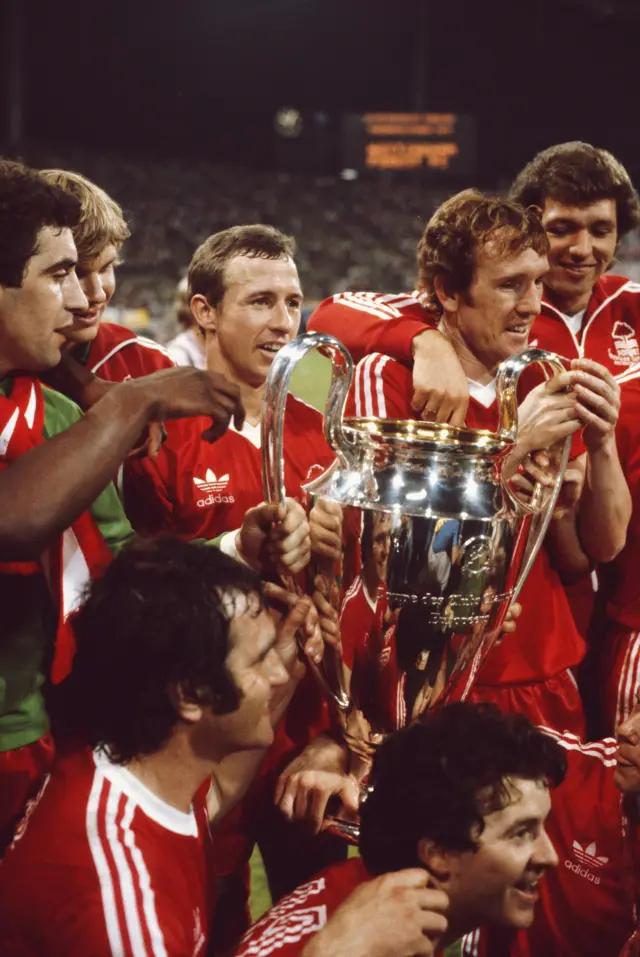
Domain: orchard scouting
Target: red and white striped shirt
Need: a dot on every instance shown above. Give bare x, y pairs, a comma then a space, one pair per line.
369, 322
547, 641
102, 867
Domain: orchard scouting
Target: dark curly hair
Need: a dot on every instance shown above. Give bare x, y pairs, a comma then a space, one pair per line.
463, 224
578, 174
28, 203
439, 778
156, 619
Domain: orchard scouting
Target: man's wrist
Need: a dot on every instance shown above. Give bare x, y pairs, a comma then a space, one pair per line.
604, 447
231, 544
135, 400
420, 341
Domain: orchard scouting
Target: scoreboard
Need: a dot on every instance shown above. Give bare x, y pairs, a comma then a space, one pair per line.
443, 144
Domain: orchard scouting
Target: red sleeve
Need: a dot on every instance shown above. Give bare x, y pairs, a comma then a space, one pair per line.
382, 388
286, 929
628, 425
365, 324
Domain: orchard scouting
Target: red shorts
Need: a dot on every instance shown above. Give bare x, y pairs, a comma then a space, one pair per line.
554, 703
620, 669
22, 772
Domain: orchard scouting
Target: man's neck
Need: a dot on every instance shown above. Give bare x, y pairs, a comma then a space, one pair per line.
567, 305
474, 368
457, 927
371, 582
173, 774
250, 395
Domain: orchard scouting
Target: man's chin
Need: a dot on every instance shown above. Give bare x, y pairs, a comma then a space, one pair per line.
80, 336
627, 779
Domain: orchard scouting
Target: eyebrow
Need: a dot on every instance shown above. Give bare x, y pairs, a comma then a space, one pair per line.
522, 823
272, 292
67, 263
517, 276
568, 221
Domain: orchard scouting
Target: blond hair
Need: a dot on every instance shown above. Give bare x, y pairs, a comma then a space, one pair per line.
102, 222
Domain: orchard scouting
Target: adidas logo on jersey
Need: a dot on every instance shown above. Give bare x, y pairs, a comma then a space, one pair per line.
586, 858
213, 487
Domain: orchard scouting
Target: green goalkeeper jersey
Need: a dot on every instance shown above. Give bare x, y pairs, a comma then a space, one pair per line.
28, 617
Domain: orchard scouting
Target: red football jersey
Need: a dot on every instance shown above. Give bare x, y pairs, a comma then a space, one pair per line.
359, 615
101, 865
619, 580
372, 322
609, 330
369, 322
286, 928
199, 489
546, 641
117, 354
586, 903
376, 683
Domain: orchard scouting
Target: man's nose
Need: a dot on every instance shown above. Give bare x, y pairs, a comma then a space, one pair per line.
626, 732
73, 296
544, 853
283, 319
530, 302
582, 244
93, 289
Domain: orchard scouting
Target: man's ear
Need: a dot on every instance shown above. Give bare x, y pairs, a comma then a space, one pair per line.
447, 298
188, 709
441, 864
204, 313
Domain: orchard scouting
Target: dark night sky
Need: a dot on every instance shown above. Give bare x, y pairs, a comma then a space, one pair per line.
205, 76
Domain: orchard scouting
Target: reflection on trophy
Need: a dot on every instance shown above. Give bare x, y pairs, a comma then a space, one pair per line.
435, 545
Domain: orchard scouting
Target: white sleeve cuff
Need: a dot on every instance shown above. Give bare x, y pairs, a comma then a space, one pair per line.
229, 545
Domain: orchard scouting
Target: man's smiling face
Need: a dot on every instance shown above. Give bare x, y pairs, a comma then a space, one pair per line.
582, 242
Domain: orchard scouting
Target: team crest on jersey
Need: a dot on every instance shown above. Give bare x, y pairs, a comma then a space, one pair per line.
212, 487
586, 862
626, 351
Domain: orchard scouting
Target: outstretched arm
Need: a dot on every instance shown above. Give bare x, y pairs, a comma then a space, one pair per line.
45, 490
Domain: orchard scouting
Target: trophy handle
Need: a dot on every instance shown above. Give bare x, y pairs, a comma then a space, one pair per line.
275, 401
274, 404
506, 391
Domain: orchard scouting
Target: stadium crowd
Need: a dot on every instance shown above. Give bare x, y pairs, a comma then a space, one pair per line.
160, 713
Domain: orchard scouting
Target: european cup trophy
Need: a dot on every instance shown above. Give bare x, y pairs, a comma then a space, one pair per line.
436, 546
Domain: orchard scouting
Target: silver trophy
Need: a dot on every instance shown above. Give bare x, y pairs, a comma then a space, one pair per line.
436, 545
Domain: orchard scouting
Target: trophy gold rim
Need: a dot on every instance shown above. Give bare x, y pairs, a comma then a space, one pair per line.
414, 431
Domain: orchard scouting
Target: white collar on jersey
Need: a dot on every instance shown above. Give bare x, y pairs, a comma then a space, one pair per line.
149, 803
484, 394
